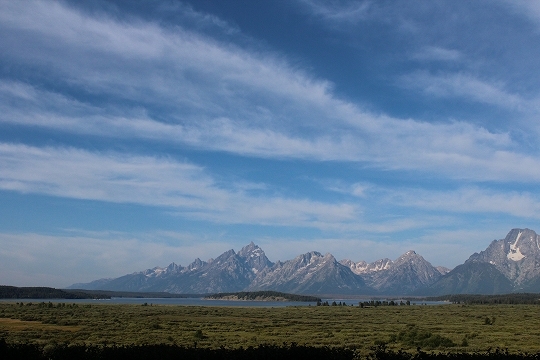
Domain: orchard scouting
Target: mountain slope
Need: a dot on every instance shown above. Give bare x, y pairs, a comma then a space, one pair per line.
471, 278
408, 273
530, 286
229, 272
517, 256
310, 273
507, 265
401, 277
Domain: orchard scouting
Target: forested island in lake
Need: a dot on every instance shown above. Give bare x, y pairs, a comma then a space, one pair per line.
262, 296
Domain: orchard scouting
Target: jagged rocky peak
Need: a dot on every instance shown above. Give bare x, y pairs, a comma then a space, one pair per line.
315, 257
362, 267
410, 253
516, 246
357, 268
443, 270
311, 272
224, 257
311, 258
250, 250
329, 256
255, 257
307, 258
517, 255
299, 264
196, 264
522, 243
409, 257
157, 271
379, 265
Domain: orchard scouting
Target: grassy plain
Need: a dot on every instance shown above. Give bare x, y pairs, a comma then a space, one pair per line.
471, 327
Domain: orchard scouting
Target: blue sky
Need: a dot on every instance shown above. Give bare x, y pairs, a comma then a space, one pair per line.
138, 133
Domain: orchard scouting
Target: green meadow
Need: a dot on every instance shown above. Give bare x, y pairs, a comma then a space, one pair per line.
454, 328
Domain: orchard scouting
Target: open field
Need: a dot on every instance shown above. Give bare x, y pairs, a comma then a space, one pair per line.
470, 328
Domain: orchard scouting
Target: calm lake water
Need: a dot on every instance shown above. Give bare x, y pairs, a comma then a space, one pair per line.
202, 302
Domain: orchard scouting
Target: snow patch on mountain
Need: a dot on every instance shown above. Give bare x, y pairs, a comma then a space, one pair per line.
517, 257
514, 253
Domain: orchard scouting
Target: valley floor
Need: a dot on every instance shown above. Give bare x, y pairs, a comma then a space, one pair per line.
459, 328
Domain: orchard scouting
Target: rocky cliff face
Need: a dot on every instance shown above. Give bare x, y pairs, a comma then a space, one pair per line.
517, 256
255, 257
362, 267
509, 264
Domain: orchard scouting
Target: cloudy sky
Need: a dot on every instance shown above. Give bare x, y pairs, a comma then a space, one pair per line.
138, 133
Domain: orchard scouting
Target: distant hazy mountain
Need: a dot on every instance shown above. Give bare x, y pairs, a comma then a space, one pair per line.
510, 264
93, 285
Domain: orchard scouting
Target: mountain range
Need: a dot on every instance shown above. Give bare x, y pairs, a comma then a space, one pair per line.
508, 265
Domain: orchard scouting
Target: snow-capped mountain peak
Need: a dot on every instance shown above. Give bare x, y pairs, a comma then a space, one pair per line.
255, 257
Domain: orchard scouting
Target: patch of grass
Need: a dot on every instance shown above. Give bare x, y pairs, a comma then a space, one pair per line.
413, 336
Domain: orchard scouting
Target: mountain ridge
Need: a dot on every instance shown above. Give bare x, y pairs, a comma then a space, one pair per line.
506, 265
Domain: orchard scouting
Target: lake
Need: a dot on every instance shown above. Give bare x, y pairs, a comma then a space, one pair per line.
203, 302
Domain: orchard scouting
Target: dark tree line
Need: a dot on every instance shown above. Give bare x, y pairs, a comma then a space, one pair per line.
262, 352
252, 295
13, 292
105, 294
376, 303
166, 352
518, 298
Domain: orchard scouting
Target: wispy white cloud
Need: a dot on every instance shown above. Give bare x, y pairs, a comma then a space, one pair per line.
346, 16
470, 200
339, 12
436, 53
357, 189
459, 150
201, 21
452, 203
529, 9
217, 96
468, 87
31, 259
144, 62
182, 187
